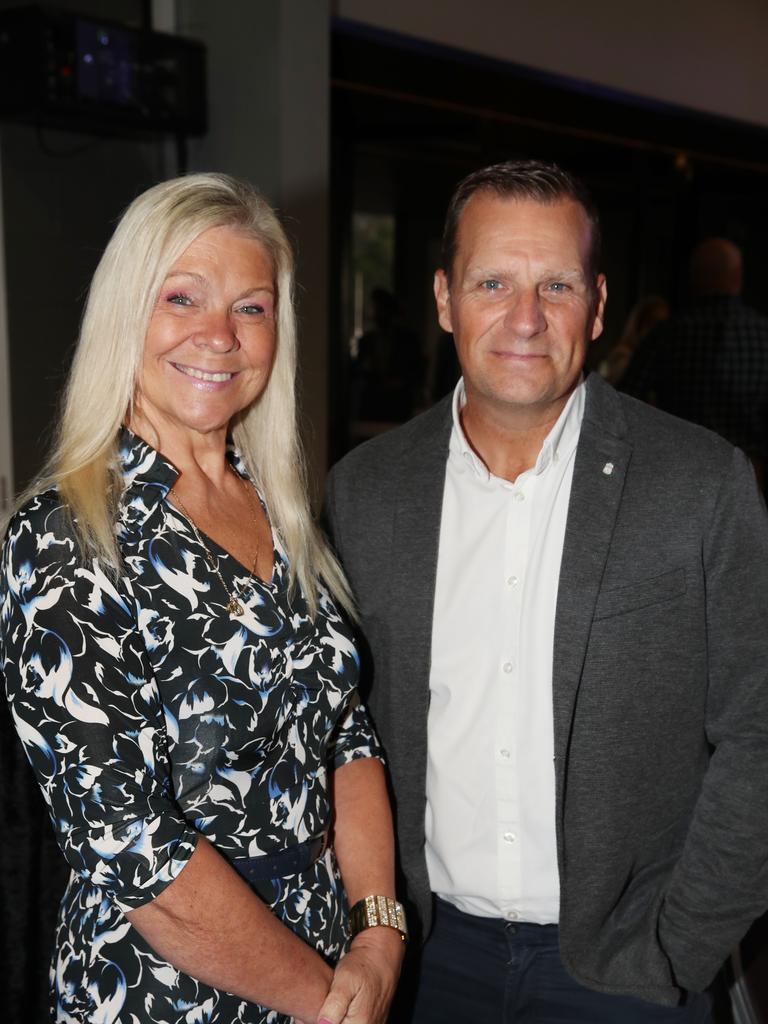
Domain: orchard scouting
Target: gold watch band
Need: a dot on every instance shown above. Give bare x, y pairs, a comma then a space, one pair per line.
378, 910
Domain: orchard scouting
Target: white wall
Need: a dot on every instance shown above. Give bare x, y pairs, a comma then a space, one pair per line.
705, 54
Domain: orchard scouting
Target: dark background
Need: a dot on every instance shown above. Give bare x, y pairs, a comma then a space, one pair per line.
663, 177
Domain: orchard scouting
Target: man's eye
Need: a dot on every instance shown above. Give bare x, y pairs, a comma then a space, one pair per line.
491, 285
557, 286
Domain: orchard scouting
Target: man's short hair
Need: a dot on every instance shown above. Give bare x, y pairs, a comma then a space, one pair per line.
521, 179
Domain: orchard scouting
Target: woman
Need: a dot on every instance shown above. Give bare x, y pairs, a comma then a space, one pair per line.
175, 661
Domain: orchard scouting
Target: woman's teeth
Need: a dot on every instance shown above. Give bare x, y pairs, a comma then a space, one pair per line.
202, 375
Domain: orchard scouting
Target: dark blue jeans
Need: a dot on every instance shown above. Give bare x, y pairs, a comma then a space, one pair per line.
486, 971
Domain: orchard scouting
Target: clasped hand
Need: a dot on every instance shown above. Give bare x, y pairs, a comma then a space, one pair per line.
365, 979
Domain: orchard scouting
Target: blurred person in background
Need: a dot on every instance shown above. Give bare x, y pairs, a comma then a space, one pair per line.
709, 363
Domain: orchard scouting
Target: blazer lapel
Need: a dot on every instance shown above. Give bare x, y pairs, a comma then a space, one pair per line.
602, 459
416, 539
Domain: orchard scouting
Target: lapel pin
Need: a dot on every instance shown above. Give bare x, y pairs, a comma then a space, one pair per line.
608, 468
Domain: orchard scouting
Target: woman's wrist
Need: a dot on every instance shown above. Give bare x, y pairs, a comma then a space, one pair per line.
375, 911
381, 943
313, 991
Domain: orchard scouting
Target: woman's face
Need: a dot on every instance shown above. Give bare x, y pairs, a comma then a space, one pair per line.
211, 339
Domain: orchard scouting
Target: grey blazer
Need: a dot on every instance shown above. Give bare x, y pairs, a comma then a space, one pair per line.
660, 681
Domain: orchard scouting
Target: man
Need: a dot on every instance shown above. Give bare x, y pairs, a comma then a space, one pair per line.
563, 591
709, 364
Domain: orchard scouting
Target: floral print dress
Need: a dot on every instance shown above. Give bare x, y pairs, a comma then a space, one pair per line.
151, 716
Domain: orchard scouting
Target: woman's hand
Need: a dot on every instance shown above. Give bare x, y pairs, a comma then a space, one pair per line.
208, 923
365, 979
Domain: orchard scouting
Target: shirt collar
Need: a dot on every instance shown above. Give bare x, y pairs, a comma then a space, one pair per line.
558, 444
148, 477
142, 466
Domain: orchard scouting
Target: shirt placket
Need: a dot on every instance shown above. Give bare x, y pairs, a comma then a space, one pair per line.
512, 580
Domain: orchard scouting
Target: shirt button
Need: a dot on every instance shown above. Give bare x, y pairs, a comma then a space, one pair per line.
509, 837
511, 915
505, 753
518, 496
512, 581
508, 666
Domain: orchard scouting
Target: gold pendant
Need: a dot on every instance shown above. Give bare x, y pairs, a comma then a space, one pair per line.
234, 607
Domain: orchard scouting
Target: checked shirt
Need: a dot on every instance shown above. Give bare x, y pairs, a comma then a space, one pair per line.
709, 365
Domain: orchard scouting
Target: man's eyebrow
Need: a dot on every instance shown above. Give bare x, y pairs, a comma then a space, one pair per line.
486, 272
575, 273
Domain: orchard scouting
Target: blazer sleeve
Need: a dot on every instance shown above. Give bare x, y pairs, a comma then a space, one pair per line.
720, 883
88, 712
355, 736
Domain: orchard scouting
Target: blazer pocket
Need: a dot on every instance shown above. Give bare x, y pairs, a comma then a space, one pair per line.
619, 600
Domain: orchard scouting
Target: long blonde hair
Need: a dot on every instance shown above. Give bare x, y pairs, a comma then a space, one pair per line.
83, 464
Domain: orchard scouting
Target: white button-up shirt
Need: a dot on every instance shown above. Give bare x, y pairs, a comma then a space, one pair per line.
490, 820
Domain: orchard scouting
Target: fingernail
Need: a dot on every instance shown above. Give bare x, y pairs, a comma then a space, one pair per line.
324, 1020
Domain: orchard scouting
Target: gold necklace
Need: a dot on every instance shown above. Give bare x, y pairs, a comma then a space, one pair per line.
234, 606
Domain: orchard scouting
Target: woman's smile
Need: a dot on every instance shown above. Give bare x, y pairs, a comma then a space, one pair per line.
205, 376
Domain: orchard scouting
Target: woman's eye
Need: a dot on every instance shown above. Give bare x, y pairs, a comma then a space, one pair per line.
253, 309
180, 299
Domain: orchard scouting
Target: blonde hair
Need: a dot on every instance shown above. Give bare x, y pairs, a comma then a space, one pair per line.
83, 464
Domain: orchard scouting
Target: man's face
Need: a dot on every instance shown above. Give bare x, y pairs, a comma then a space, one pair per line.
521, 304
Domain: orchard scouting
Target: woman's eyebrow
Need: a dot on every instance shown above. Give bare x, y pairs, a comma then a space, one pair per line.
185, 273
261, 286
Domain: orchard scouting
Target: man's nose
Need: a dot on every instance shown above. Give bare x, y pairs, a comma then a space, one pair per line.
217, 332
524, 314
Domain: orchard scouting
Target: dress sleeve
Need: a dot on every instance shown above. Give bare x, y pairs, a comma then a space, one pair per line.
354, 737
88, 711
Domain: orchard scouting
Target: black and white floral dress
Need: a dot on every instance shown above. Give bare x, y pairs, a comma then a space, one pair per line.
152, 716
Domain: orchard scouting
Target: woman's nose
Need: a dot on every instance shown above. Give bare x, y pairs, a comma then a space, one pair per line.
217, 333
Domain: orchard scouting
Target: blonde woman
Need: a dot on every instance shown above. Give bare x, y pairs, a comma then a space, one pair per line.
175, 659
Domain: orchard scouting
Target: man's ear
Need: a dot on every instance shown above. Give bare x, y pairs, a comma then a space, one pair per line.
601, 287
443, 301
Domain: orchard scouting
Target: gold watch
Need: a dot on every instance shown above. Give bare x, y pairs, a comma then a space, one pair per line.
378, 910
